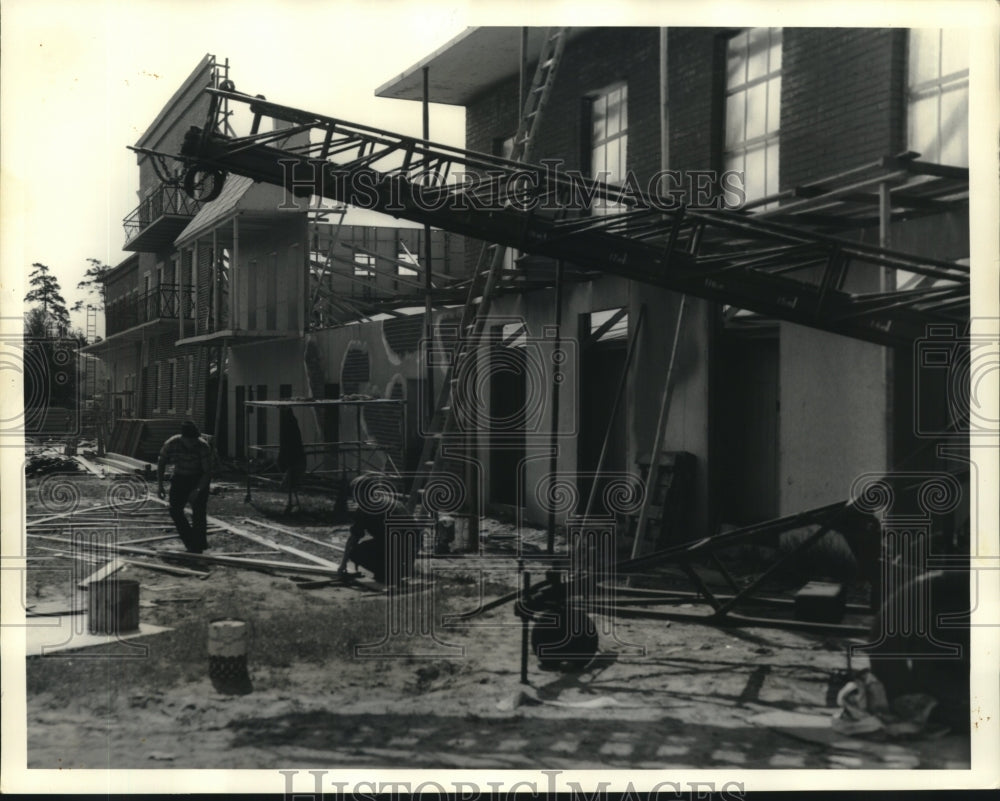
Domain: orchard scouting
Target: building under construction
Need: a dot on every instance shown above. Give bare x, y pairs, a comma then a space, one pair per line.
695, 297
765, 356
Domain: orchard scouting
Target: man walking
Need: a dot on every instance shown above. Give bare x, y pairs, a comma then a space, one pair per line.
191, 457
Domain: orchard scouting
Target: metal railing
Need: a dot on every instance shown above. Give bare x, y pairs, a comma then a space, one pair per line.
165, 200
165, 301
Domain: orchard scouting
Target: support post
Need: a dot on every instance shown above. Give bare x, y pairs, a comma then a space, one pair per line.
525, 584
234, 261
614, 411
428, 319
887, 283
246, 428
556, 380
522, 87
661, 425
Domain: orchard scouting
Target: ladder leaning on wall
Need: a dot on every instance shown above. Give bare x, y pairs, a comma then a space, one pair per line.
445, 422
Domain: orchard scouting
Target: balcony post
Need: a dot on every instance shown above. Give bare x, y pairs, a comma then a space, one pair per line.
234, 261
178, 282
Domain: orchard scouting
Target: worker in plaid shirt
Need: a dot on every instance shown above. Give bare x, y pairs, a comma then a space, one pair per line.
191, 457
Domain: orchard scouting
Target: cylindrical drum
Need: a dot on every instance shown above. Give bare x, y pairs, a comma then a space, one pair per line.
227, 655
113, 606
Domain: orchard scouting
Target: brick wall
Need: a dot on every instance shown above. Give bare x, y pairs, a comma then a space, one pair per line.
632, 57
842, 99
694, 98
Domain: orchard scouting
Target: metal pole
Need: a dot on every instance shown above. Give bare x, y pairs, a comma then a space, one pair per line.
887, 281
556, 380
614, 411
522, 89
525, 584
661, 424
246, 428
428, 322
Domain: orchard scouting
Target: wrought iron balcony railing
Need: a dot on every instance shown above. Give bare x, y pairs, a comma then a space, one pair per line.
166, 203
167, 301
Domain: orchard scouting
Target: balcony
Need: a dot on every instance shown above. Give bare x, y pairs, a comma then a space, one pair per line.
158, 220
165, 302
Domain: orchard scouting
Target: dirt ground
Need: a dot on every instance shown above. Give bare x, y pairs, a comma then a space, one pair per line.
341, 677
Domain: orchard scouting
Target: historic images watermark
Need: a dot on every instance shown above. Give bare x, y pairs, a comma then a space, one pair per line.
316, 785
545, 188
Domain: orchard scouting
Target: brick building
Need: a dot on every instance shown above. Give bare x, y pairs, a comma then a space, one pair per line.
778, 416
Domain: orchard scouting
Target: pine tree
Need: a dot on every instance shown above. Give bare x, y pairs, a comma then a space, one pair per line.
93, 284
46, 291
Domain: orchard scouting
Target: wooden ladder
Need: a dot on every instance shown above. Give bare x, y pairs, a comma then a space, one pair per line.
443, 424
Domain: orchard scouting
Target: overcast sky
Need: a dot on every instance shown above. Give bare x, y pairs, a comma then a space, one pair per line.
87, 78
83, 79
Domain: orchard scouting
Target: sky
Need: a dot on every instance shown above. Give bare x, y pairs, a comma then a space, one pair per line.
80, 80
87, 78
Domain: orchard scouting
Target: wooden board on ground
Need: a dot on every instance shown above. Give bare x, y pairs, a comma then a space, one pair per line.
107, 570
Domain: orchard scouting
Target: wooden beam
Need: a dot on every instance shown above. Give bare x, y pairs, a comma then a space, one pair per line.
606, 326
109, 569
70, 513
292, 533
173, 570
265, 541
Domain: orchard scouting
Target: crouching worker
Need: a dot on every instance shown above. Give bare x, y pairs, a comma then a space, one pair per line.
563, 637
384, 538
191, 457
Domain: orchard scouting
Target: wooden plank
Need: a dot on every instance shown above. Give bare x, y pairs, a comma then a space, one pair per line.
70, 513
293, 533
151, 539
265, 541
173, 570
89, 466
260, 540
208, 559
109, 569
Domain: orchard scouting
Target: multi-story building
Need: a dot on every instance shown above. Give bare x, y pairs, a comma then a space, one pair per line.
239, 288
823, 124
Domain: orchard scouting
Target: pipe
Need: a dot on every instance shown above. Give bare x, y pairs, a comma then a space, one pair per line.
614, 410
428, 283
553, 432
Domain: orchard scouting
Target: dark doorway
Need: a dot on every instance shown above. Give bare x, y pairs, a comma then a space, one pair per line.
508, 396
602, 364
746, 443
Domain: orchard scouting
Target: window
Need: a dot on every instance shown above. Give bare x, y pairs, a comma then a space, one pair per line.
172, 375
190, 384
938, 113
156, 388
364, 265
753, 109
609, 324
405, 256
609, 141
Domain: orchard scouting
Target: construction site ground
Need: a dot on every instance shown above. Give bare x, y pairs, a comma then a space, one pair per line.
659, 695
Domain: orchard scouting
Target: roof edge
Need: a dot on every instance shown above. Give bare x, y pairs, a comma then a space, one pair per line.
382, 90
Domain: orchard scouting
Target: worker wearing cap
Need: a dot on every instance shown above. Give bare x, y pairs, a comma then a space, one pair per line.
368, 544
191, 457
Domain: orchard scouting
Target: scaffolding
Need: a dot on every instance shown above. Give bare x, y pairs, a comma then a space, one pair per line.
344, 458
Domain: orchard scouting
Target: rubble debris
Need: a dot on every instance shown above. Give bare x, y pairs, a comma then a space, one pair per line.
43, 464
